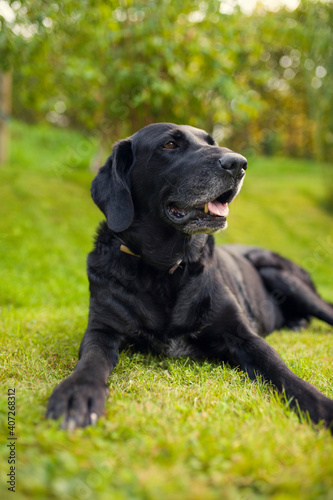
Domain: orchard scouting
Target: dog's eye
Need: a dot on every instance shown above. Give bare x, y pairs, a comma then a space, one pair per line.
170, 145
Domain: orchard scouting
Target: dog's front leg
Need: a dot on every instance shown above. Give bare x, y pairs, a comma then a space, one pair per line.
80, 398
255, 356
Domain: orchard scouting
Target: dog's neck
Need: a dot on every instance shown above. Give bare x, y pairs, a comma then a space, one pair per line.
164, 250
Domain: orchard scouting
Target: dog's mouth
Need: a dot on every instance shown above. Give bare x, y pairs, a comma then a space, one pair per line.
216, 209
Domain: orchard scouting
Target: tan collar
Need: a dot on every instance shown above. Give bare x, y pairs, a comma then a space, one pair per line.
125, 249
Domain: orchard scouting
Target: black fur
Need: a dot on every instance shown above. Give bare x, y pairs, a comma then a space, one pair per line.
181, 295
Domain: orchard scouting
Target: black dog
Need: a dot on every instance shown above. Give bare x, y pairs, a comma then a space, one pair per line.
158, 283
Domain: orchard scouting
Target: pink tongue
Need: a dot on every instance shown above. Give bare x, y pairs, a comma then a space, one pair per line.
217, 208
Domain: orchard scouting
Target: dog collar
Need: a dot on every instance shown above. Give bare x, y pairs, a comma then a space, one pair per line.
125, 249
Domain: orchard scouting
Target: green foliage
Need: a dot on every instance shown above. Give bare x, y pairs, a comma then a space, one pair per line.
174, 429
263, 81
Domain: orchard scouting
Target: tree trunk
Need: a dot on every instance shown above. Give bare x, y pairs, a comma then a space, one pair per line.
5, 109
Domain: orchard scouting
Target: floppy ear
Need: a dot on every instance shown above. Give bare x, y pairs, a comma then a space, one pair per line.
110, 189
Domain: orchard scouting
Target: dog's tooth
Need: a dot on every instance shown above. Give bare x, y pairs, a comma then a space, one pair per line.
206, 208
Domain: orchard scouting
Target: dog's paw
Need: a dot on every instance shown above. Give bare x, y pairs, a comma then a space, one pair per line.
320, 410
326, 413
78, 400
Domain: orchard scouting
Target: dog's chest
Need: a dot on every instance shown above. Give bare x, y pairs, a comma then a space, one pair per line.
157, 299
174, 347
169, 315
156, 330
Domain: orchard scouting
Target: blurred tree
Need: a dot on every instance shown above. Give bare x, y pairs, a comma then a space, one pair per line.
316, 34
299, 52
6, 53
260, 82
5, 109
122, 67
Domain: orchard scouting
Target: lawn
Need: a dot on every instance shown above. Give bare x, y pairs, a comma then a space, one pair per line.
174, 429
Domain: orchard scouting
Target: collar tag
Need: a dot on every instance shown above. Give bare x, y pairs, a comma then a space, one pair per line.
172, 270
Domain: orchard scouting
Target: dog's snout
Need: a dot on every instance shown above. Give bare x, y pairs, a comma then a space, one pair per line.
234, 163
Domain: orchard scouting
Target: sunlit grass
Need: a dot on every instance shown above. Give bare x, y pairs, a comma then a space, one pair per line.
174, 429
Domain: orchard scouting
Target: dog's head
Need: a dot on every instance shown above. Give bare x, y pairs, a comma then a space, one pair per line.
174, 173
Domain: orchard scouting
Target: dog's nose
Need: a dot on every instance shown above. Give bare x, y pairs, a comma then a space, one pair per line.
234, 163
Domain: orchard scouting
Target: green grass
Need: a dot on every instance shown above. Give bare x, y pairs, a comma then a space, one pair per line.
174, 429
